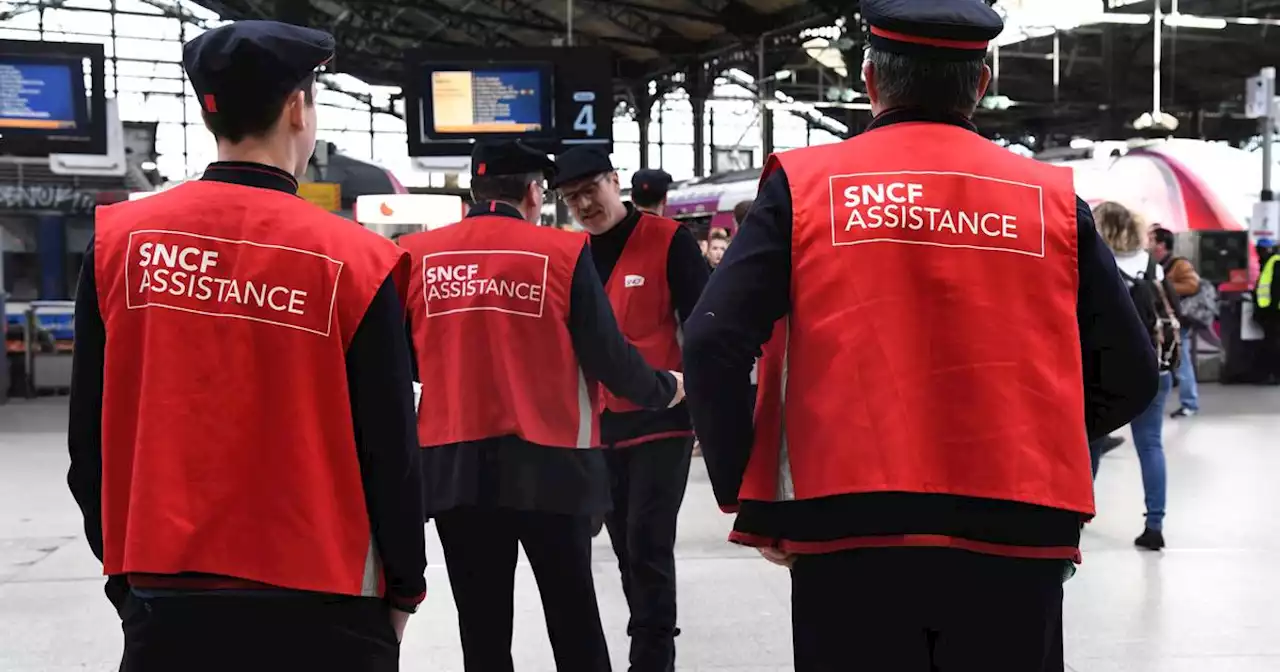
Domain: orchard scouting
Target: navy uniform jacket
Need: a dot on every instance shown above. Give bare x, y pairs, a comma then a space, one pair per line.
377, 370
509, 472
750, 291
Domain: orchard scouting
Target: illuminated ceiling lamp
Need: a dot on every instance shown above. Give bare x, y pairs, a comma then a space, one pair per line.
1156, 122
1178, 20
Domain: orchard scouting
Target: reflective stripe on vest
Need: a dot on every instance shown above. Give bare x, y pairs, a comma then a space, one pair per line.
1266, 281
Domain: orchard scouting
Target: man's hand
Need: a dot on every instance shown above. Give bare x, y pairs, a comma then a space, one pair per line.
778, 556
679, 389
399, 620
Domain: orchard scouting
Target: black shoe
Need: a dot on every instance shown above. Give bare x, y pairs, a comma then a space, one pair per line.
1152, 540
1111, 443
1183, 412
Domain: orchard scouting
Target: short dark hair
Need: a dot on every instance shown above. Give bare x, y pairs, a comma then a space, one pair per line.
647, 199
255, 121
740, 211
507, 188
1164, 237
926, 83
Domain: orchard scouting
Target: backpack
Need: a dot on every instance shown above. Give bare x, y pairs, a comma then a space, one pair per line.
1151, 299
1199, 309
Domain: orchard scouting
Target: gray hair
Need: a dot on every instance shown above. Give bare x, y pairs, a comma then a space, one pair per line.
930, 84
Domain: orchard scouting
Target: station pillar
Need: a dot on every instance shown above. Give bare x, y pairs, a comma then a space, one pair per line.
698, 91
644, 106
51, 252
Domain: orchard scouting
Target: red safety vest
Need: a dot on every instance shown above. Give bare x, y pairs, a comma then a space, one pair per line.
932, 344
489, 309
641, 299
227, 439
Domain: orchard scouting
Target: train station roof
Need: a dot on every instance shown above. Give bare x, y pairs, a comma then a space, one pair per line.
649, 38
1065, 68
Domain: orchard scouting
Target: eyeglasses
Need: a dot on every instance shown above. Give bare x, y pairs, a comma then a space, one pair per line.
588, 191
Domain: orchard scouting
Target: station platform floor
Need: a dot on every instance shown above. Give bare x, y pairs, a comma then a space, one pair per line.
1209, 602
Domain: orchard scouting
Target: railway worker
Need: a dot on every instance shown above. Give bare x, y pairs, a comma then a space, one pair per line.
941, 351
649, 190
1267, 310
653, 273
241, 413
511, 330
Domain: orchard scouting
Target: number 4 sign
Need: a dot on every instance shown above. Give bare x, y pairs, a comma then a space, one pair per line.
585, 121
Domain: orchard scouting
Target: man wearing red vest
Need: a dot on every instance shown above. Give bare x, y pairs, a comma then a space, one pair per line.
513, 336
945, 331
654, 273
241, 411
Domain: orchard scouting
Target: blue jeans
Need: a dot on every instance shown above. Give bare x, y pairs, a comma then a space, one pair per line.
1147, 429
1188, 393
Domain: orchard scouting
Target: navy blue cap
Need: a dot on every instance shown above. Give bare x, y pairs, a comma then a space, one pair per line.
651, 182
1265, 243
580, 163
245, 64
508, 157
952, 30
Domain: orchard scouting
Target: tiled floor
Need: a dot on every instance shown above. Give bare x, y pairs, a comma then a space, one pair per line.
1211, 603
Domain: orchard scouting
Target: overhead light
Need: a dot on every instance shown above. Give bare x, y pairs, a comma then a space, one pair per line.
783, 74
1081, 143
1189, 21
148, 165
996, 103
1163, 122
1118, 17
797, 106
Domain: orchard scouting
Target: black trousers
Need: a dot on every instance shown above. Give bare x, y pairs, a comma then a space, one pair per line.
481, 547
214, 633
926, 610
1269, 348
648, 484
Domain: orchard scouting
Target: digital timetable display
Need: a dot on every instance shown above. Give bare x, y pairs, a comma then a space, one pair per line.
488, 101
39, 96
52, 98
550, 98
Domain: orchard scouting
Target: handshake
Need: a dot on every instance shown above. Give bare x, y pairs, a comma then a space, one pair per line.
679, 397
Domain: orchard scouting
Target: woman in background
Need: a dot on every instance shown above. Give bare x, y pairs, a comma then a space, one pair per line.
1125, 233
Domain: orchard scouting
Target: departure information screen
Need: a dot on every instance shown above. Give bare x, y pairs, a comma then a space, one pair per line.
38, 96
483, 102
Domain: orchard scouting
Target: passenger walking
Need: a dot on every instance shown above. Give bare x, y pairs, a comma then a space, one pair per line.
1157, 304
1186, 283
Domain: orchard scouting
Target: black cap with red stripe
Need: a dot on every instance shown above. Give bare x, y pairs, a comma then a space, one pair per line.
509, 157
246, 64
949, 30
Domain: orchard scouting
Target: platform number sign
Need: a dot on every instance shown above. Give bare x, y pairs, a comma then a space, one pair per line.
585, 121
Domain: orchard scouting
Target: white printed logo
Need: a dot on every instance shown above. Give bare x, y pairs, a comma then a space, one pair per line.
633, 281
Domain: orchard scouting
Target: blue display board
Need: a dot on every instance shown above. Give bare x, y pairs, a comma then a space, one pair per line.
37, 96
466, 101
